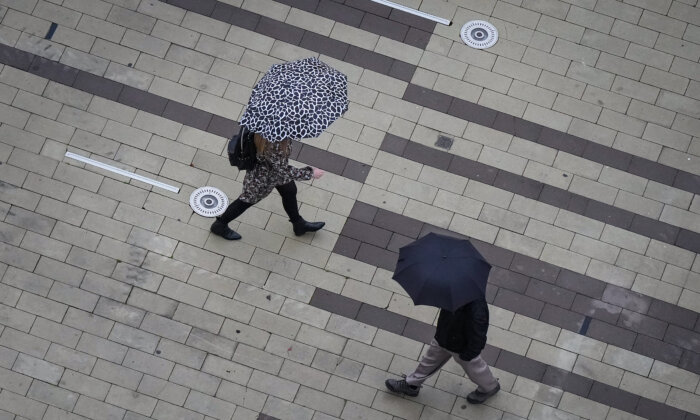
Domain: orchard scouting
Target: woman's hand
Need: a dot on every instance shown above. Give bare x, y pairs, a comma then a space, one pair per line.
317, 173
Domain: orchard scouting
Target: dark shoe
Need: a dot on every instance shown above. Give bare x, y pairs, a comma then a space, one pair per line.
221, 229
302, 226
478, 397
402, 387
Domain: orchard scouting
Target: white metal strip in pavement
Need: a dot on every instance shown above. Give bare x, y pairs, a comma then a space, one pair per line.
414, 12
123, 172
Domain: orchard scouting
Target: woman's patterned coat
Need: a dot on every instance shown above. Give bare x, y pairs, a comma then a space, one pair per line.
273, 169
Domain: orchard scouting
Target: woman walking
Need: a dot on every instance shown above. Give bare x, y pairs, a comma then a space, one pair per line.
271, 171
293, 100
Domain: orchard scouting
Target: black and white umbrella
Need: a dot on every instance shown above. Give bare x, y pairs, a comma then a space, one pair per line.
296, 100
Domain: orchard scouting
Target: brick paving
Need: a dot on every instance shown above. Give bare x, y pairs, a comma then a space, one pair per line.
568, 153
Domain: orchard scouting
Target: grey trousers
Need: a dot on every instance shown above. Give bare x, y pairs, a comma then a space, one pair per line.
477, 370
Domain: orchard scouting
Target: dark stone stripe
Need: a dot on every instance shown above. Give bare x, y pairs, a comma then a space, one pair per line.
502, 359
553, 138
313, 41
540, 290
536, 190
175, 111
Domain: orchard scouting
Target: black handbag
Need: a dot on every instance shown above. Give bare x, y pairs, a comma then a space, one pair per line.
241, 150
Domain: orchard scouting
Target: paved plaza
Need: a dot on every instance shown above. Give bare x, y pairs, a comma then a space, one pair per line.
569, 153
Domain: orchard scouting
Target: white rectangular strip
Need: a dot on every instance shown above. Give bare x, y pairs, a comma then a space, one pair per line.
122, 172
414, 12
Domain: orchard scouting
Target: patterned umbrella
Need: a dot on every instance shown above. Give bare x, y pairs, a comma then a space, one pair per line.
296, 100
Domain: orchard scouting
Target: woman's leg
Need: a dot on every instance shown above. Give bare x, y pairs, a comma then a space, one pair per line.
288, 192
234, 210
220, 225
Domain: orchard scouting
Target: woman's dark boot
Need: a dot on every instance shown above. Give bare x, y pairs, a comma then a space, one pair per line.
301, 226
221, 229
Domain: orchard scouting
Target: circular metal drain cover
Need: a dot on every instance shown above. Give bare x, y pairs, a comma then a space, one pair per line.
208, 201
479, 34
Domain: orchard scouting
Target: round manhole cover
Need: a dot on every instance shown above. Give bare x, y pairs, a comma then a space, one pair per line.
479, 34
208, 201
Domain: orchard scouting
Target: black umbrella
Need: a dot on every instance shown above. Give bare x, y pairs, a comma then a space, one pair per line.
296, 100
441, 271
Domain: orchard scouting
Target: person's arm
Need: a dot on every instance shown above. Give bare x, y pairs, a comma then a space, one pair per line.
278, 159
476, 330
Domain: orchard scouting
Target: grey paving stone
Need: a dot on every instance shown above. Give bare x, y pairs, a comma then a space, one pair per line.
73, 296
163, 390
24, 407
610, 334
563, 318
15, 382
37, 368
211, 343
119, 312
567, 381
195, 379
84, 385
550, 294
419, 331
673, 314
133, 337
596, 309
626, 298
88, 322
70, 359
198, 318
40, 306
102, 348
643, 324
335, 303
148, 364
657, 349
91, 408
180, 353
381, 318
508, 279
521, 366
53, 395
97, 85
55, 332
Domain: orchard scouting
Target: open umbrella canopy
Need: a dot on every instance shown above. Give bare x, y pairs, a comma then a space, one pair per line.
296, 100
441, 271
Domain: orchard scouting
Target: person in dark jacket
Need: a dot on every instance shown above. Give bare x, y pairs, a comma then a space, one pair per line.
461, 335
272, 171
